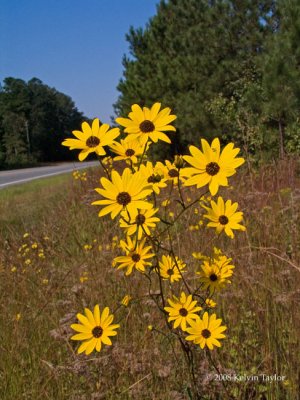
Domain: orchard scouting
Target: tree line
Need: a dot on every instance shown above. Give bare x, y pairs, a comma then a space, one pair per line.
227, 68
34, 120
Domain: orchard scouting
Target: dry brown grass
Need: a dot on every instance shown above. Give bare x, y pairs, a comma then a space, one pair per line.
260, 307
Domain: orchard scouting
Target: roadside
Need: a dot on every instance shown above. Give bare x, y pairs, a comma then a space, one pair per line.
18, 176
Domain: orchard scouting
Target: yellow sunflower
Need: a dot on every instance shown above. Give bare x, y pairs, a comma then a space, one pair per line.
127, 150
92, 139
95, 329
170, 171
206, 331
210, 303
123, 192
182, 310
154, 175
214, 274
169, 269
136, 256
224, 217
140, 222
211, 167
148, 123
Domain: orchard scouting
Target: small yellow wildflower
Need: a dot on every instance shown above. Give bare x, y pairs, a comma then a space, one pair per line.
25, 235
45, 281
18, 317
210, 303
76, 175
108, 161
34, 245
165, 203
27, 261
13, 269
126, 300
197, 255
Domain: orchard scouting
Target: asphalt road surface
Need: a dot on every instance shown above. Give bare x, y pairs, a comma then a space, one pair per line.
18, 176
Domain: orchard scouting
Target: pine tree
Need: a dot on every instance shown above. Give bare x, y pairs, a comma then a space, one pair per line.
192, 52
281, 74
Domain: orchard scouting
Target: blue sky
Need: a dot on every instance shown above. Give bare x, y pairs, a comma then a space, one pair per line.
75, 46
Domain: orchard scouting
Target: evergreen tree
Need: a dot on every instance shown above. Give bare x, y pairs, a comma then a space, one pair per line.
191, 53
281, 77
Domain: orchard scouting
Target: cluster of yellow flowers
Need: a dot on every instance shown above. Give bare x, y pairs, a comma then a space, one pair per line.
133, 196
77, 175
101, 247
30, 250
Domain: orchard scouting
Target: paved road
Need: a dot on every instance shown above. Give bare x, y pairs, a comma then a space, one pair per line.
18, 176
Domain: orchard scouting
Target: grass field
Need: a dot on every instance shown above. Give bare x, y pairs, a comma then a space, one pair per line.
56, 257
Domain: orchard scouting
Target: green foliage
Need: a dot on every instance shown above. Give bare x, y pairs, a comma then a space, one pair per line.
281, 76
226, 67
34, 119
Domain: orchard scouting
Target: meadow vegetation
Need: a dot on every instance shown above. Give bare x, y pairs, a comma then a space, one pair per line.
56, 258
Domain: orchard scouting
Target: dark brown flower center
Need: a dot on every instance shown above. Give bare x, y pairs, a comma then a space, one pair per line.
170, 271
173, 173
223, 220
123, 198
213, 277
92, 141
140, 219
212, 168
147, 126
183, 312
129, 152
154, 179
135, 257
206, 333
97, 331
